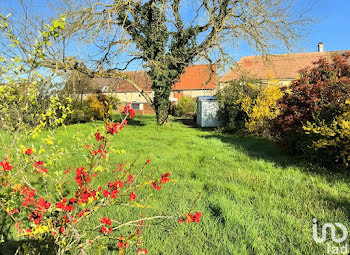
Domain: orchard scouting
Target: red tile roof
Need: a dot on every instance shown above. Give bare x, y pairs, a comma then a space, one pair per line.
282, 66
120, 85
195, 78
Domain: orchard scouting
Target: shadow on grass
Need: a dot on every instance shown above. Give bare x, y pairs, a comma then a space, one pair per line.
337, 203
138, 120
12, 246
34, 246
187, 122
262, 148
136, 123
191, 123
5, 228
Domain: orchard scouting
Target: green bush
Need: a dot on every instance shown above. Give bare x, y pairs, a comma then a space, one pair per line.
81, 116
94, 107
231, 112
186, 107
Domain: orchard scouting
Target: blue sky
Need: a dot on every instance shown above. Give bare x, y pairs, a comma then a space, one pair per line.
331, 26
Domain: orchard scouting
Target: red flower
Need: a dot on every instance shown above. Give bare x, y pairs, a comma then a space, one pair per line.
84, 194
35, 216
198, 217
29, 151
115, 185
28, 195
105, 230
98, 136
44, 170
65, 218
81, 177
132, 196
61, 230
40, 166
6, 165
165, 178
154, 185
29, 231
128, 110
192, 218
121, 243
66, 207
114, 193
73, 200
180, 221
130, 179
120, 167
105, 193
42, 204
101, 152
80, 214
106, 221
68, 170
113, 128
147, 161
141, 251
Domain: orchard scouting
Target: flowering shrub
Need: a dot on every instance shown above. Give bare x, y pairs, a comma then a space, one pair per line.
21, 104
59, 217
314, 113
51, 209
249, 105
94, 107
261, 109
333, 138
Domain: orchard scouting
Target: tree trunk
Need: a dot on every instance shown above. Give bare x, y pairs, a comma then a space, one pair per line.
161, 104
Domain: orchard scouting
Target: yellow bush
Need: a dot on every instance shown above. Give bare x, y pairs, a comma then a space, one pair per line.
261, 108
334, 136
97, 107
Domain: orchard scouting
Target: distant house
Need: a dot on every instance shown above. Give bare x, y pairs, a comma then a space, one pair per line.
197, 80
283, 67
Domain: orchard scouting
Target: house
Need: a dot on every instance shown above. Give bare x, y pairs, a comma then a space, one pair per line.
197, 80
282, 67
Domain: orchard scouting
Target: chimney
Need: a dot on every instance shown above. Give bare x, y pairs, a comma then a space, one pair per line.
320, 47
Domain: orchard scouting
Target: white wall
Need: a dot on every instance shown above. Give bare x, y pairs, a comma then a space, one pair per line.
208, 114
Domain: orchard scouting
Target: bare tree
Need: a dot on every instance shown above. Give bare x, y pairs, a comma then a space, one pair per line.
166, 36
78, 84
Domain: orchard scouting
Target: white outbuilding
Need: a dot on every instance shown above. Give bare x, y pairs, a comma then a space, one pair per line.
208, 111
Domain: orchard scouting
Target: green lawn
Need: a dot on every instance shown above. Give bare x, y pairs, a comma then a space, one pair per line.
255, 199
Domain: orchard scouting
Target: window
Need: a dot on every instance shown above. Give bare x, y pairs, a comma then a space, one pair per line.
136, 106
105, 89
